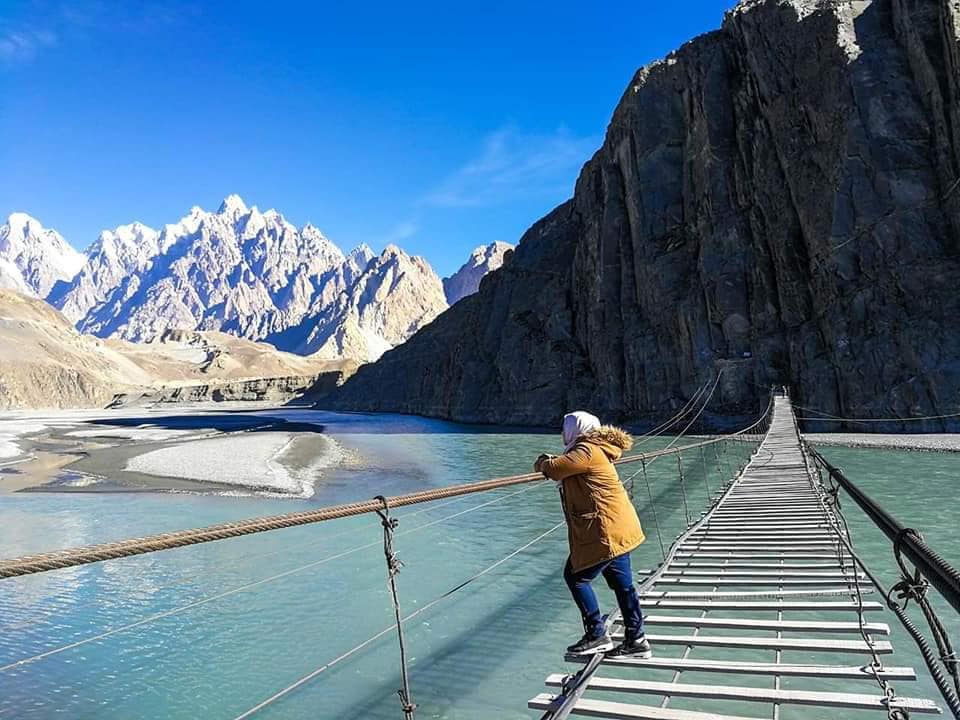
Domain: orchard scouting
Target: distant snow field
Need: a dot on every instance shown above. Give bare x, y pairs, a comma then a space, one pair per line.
252, 460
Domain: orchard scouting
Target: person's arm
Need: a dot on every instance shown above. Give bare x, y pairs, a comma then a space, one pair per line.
575, 462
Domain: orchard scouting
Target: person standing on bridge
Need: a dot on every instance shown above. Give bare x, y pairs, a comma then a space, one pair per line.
602, 529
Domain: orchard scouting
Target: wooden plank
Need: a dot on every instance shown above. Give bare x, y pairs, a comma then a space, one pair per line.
785, 573
768, 532
742, 565
785, 495
747, 540
810, 507
798, 546
759, 582
776, 524
780, 513
773, 605
624, 711
739, 667
735, 555
768, 536
767, 517
738, 556
761, 624
882, 647
858, 701
741, 494
731, 514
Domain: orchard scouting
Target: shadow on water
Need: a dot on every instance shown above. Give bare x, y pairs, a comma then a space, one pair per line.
224, 422
480, 650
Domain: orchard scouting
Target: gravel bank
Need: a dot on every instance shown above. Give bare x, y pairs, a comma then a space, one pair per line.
938, 442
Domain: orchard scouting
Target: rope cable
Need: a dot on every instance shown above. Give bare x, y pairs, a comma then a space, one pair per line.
700, 412
662, 427
72, 557
247, 586
829, 417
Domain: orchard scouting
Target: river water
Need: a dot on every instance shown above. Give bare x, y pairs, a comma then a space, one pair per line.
213, 631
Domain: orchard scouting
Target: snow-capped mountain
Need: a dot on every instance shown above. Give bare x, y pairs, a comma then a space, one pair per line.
33, 258
466, 280
387, 302
255, 275
115, 255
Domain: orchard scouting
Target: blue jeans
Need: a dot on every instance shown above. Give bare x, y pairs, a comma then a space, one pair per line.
619, 577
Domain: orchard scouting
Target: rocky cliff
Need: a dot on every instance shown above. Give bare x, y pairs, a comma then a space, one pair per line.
776, 201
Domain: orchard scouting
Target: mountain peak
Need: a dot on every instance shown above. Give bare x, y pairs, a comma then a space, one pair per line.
233, 205
21, 219
483, 260
35, 258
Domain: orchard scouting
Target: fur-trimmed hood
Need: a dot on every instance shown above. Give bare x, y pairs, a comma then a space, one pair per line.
612, 440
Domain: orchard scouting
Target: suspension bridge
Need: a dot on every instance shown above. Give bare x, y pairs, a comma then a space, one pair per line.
735, 612
747, 579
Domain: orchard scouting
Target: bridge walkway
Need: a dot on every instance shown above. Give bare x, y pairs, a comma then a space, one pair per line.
757, 607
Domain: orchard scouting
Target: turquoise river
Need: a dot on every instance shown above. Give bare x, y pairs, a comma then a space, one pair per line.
213, 631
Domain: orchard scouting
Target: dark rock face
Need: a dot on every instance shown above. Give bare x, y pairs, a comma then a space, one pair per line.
777, 201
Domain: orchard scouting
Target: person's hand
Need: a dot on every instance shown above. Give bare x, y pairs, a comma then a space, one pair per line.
539, 462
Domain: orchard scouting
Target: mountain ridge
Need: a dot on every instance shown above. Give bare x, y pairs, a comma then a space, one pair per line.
249, 273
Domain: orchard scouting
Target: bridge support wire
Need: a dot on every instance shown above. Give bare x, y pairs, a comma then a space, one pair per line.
911, 586
393, 569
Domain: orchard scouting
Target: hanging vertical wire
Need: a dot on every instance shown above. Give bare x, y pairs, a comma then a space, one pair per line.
706, 478
393, 569
720, 474
683, 489
653, 507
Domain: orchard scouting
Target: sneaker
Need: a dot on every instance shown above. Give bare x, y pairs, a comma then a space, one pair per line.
591, 644
639, 648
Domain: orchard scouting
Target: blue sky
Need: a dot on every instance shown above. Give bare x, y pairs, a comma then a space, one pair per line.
438, 126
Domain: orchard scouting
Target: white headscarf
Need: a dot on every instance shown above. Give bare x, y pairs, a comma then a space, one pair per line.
576, 424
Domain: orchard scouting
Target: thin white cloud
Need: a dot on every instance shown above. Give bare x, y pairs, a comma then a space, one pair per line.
513, 164
24, 40
23, 44
399, 232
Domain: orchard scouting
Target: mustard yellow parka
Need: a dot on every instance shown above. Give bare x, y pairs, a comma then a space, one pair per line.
601, 521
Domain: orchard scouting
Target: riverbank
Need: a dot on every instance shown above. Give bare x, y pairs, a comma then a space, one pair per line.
196, 450
941, 442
